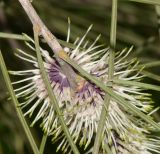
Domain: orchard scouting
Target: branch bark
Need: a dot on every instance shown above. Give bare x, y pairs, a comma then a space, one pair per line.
35, 19
51, 41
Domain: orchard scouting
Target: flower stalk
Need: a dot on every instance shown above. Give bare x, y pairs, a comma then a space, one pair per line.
50, 91
134, 83
155, 2
107, 97
24, 38
43, 143
16, 104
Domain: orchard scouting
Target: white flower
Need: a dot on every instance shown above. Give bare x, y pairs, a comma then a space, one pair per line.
124, 132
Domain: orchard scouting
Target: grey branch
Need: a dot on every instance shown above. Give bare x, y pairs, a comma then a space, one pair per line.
51, 41
35, 19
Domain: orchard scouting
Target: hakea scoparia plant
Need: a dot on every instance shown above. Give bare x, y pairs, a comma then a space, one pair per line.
124, 132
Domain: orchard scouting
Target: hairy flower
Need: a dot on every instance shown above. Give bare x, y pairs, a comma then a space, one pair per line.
124, 132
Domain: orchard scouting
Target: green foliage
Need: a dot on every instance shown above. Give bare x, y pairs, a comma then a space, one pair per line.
136, 25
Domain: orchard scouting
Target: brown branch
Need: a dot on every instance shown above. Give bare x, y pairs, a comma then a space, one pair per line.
35, 19
51, 41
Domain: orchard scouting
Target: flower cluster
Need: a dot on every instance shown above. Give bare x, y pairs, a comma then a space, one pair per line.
124, 132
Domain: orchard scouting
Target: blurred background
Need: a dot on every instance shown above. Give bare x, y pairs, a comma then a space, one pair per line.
137, 25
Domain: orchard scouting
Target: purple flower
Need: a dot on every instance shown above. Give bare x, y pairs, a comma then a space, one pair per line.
124, 132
